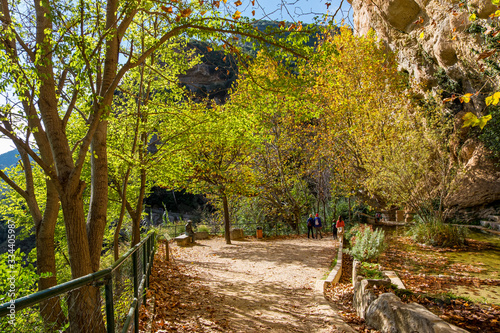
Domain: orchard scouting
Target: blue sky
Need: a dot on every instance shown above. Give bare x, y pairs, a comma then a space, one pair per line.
294, 10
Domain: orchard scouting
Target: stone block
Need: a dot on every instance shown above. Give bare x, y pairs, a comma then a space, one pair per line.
363, 294
491, 225
395, 280
389, 315
183, 240
236, 234
201, 235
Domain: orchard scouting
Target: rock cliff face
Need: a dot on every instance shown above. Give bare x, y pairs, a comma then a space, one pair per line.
213, 77
439, 43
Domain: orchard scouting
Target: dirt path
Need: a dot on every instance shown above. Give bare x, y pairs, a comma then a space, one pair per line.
249, 286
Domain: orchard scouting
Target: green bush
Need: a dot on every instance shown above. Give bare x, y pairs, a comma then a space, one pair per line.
490, 133
351, 229
367, 244
202, 228
437, 233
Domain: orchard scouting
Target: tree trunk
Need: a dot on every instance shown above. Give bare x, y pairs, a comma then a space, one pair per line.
227, 226
335, 210
50, 309
324, 212
84, 306
96, 218
297, 221
136, 224
123, 196
349, 202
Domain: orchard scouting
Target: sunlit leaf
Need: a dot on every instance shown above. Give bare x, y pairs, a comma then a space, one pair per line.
489, 100
465, 98
493, 99
483, 120
186, 12
449, 99
470, 119
167, 9
237, 15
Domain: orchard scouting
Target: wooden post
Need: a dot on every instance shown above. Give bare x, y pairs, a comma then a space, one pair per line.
166, 250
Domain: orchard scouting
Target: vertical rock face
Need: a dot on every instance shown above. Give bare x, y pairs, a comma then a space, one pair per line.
399, 13
438, 43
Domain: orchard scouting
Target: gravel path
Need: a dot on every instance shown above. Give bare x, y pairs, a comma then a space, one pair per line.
255, 286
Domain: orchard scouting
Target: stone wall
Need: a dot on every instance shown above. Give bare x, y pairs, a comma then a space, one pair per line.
388, 314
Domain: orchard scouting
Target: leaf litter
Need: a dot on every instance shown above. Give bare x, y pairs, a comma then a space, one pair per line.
418, 271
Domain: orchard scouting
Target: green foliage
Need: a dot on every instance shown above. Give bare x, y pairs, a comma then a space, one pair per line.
491, 133
367, 244
436, 233
202, 228
370, 271
342, 208
448, 85
351, 229
22, 274
475, 28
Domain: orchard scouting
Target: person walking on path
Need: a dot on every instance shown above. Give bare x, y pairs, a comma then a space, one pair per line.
310, 223
340, 227
334, 229
317, 225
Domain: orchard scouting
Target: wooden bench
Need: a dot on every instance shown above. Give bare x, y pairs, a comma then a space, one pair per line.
183, 240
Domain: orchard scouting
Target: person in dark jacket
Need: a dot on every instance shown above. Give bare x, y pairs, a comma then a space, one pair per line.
318, 226
334, 229
310, 223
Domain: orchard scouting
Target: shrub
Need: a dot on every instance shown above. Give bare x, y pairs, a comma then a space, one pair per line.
367, 244
202, 228
437, 233
351, 229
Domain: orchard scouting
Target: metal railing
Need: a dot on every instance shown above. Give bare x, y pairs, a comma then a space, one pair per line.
108, 300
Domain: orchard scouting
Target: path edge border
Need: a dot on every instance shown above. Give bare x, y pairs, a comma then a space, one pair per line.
335, 274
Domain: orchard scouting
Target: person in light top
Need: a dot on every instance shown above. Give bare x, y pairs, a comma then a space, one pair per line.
340, 226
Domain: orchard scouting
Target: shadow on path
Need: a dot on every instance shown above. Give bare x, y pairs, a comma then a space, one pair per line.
249, 286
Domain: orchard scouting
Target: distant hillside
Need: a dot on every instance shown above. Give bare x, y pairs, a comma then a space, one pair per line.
8, 159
